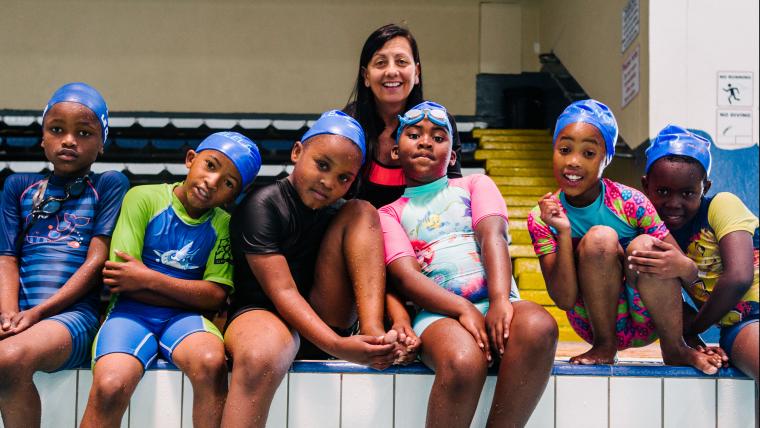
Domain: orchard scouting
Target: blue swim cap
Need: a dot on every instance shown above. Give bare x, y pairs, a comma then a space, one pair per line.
241, 151
594, 113
335, 122
86, 95
433, 111
674, 140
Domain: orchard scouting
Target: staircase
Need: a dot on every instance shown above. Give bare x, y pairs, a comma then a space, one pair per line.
519, 162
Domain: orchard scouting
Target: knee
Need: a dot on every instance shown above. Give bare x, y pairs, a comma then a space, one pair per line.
599, 241
254, 366
111, 387
359, 209
640, 243
14, 364
207, 366
537, 329
463, 369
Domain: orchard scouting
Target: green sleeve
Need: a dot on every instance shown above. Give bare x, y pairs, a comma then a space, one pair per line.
137, 209
219, 263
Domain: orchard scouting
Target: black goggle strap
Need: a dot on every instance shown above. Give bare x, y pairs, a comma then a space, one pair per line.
36, 201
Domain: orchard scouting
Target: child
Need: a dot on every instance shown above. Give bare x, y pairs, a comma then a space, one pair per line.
581, 236
443, 238
54, 234
306, 263
718, 233
170, 261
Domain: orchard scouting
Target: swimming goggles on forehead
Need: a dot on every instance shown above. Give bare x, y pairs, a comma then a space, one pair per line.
414, 116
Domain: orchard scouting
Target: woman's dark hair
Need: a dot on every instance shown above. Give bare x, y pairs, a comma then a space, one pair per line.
361, 104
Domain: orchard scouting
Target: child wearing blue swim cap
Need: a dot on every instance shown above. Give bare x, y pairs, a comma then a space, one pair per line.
446, 248
718, 233
170, 263
308, 264
582, 235
54, 235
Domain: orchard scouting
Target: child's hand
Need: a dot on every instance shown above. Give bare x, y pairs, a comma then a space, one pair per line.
6, 329
552, 213
23, 320
407, 345
498, 320
128, 276
664, 261
474, 322
366, 350
697, 343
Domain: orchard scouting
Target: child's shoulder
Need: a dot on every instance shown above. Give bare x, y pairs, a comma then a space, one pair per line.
615, 190
20, 181
111, 178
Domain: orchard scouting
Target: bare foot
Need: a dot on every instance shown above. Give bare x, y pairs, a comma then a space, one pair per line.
596, 355
707, 363
390, 337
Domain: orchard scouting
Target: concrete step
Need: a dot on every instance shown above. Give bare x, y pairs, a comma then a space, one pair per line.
517, 212
544, 164
514, 145
525, 181
536, 191
520, 201
513, 154
539, 296
518, 224
531, 281
567, 334
520, 236
528, 139
478, 133
521, 251
522, 266
517, 171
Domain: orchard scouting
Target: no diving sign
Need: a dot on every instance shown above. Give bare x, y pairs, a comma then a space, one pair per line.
734, 113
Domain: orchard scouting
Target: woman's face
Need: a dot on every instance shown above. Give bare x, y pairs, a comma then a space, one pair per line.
392, 73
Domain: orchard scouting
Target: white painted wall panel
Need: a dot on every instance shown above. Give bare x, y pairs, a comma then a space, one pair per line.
412, 392
645, 392
736, 403
582, 402
689, 403
543, 415
314, 400
58, 395
367, 398
157, 401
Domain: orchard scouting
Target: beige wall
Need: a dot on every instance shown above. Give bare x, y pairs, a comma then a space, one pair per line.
225, 56
585, 35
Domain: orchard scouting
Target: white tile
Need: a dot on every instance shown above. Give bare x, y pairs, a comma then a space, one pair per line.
58, 396
157, 401
736, 403
314, 400
582, 401
367, 400
543, 415
187, 403
83, 392
411, 400
635, 402
484, 403
689, 403
278, 411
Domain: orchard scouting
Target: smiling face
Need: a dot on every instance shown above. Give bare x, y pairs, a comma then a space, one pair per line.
325, 167
577, 162
71, 138
213, 180
392, 73
675, 189
424, 152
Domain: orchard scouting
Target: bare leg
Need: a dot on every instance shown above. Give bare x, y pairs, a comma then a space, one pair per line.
114, 379
525, 366
460, 372
350, 270
262, 348
663, 301
744, 352
201, 357
600, 275
44, 346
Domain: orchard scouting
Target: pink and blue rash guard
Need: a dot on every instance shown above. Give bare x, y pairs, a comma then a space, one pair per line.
620, 207
435, 223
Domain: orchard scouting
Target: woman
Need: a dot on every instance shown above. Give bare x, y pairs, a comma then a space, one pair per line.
388, 83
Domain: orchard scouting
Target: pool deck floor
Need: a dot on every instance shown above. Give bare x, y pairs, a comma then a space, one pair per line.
649, 353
